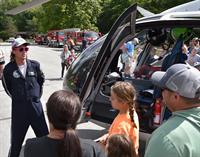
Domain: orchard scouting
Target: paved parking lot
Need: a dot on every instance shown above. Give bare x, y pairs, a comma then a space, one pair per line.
49, 59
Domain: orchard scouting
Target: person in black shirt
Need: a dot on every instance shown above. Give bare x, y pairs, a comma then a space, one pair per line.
63, 111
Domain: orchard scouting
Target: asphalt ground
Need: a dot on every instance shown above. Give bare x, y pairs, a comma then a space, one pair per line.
49, 59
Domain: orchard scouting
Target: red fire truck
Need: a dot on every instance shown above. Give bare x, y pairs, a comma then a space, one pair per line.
55, 38
41, 39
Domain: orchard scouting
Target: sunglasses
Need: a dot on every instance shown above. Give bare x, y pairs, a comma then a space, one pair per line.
23, 49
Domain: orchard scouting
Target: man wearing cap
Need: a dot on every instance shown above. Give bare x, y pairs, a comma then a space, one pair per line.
23, 81
179, 136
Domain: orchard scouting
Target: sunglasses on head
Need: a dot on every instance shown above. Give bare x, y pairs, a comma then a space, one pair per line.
23, 49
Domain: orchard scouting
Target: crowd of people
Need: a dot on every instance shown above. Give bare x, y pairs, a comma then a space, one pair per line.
178, 137
193, 52
190, 51
23, 82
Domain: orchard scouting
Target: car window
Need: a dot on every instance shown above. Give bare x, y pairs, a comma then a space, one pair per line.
60, 33
152, 62
80, 68
115, 72
147, 59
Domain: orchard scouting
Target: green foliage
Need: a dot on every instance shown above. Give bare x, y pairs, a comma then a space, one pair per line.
60, 14
8, 26
112, 9
157, 6
25, 23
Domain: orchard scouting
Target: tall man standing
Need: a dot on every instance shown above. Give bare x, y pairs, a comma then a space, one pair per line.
179, 136
23, 81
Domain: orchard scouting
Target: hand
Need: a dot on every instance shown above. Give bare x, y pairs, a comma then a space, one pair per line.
103, 139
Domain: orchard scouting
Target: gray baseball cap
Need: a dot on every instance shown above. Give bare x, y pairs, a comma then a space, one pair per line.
19, 41
181, 78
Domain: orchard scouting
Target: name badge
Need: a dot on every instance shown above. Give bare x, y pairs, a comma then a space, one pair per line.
31, 73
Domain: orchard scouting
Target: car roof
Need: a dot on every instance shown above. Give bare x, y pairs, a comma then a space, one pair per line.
171, 16
184, 13
172, 19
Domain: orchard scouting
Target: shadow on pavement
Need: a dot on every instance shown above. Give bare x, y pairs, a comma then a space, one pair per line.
53, 79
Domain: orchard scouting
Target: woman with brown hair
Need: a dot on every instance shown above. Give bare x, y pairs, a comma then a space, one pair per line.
63, 111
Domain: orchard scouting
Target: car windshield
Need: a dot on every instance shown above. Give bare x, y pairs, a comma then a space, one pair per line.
60, 33
91, 35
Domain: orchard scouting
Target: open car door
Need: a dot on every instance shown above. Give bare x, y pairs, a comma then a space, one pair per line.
92, 99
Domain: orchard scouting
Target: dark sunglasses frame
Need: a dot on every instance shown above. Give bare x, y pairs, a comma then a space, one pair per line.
23, 49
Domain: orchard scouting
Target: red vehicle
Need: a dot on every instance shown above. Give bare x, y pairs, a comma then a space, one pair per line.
78, 35
73, 32
90, 37
55, 38
40, 39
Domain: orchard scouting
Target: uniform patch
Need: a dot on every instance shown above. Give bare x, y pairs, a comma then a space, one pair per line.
16, 74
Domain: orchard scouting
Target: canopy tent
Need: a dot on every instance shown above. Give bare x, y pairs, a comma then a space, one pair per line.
25, 7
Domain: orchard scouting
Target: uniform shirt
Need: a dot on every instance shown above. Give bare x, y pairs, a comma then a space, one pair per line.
122, 124
22, 88
23, 68
177, 137
47, 147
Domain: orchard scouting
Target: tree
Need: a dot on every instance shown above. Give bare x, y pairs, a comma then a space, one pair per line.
60, 14
157, 6
8, 23
113, 8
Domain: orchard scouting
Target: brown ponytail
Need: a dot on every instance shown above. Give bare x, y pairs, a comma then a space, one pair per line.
70, 145
131, 113
63, 111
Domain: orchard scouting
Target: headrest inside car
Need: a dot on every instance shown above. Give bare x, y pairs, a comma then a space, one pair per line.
156, 36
